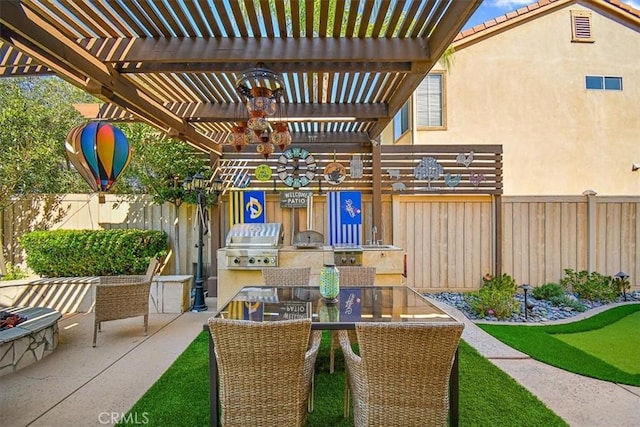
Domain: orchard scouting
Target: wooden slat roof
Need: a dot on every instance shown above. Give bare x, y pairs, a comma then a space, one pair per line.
347, 66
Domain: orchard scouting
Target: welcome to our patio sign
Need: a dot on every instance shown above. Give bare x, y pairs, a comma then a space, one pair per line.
294, 199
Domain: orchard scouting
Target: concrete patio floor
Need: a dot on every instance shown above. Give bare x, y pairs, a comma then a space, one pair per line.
84, 386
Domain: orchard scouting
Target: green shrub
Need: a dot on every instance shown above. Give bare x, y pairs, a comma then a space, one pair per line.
495, 297
621, 285
590, 285
72, 253
548, 291
565, 301
14, 272
500, 283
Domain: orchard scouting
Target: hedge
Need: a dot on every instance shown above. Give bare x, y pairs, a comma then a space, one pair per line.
76, 253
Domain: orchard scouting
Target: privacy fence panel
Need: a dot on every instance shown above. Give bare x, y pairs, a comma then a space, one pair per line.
449, 240
617, 236
543, 236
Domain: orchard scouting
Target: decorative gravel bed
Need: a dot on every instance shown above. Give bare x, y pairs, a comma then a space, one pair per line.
539, 310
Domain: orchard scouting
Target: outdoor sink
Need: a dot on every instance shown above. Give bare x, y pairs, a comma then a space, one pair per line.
379, 247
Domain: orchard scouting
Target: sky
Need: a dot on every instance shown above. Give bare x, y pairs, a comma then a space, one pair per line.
491, 8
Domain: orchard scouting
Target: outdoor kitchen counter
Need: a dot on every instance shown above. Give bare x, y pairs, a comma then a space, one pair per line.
388, 260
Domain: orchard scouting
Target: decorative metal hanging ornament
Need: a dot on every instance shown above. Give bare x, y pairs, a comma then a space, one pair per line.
263, 172
356, 168
428, 169
100, 152
334, 172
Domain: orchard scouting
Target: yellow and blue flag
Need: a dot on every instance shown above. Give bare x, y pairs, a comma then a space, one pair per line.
247, 207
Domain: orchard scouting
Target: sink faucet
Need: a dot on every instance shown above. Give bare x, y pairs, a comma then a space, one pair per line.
374, 230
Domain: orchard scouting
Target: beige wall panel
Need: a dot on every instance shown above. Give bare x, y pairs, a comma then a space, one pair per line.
582, 233
552, 236
601, 237
472, 228
558, 137
507, 237
485, 236
627, 236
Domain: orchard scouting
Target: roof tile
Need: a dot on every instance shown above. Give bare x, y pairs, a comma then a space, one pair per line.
532, 8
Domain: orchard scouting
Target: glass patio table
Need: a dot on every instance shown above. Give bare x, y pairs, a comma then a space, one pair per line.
355, 304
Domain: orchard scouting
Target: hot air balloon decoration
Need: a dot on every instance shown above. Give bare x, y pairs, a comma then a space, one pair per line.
100, 152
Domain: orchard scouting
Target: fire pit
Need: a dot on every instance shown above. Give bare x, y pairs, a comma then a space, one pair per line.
27, 335
10, 320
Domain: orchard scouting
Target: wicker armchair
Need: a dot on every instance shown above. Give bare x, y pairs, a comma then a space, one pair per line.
280, 276
401, 377
266, 369
350, 276
121, 297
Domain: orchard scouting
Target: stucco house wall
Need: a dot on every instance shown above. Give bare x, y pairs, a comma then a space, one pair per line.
521, 84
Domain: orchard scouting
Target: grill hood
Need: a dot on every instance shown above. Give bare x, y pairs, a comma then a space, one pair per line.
267, 235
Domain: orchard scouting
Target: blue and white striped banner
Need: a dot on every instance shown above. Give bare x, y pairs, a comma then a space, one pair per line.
345, 217
247, 207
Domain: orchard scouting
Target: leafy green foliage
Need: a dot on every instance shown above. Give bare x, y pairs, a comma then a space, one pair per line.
555, 294
36, 114
159, 164
548, 291
495, 297
69, 253
566, 301
590, 285
14, 272
621, 285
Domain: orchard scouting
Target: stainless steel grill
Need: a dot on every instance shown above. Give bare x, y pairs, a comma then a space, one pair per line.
253, 246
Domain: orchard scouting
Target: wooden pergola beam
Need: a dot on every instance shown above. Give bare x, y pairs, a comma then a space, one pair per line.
237, 54
48, 46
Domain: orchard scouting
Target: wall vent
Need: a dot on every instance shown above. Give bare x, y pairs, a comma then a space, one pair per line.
581, 26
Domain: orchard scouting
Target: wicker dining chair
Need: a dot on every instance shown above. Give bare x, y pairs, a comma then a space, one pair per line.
122, 297
283, 276
401, 377
265, 370
350, 276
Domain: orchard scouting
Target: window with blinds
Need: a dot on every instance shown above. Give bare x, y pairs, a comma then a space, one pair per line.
581, 26
430, 102
401, 122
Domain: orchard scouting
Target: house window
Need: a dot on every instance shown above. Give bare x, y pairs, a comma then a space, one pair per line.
581, 26
401, 121
431, 102
603, 83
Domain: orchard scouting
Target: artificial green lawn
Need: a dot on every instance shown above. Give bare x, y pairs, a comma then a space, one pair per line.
609, 352
488, 396
617, 344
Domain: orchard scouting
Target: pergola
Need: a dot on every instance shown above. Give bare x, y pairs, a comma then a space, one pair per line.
347, 66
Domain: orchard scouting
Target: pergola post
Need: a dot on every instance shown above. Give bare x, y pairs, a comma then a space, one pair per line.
376, 199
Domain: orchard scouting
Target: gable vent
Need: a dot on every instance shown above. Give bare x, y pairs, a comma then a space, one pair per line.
581, 26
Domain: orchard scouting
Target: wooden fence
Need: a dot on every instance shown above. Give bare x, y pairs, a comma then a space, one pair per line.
451, 241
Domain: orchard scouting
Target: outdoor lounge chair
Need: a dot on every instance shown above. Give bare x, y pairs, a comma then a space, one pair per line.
281, 276
401, 377
121, 297
265, 370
